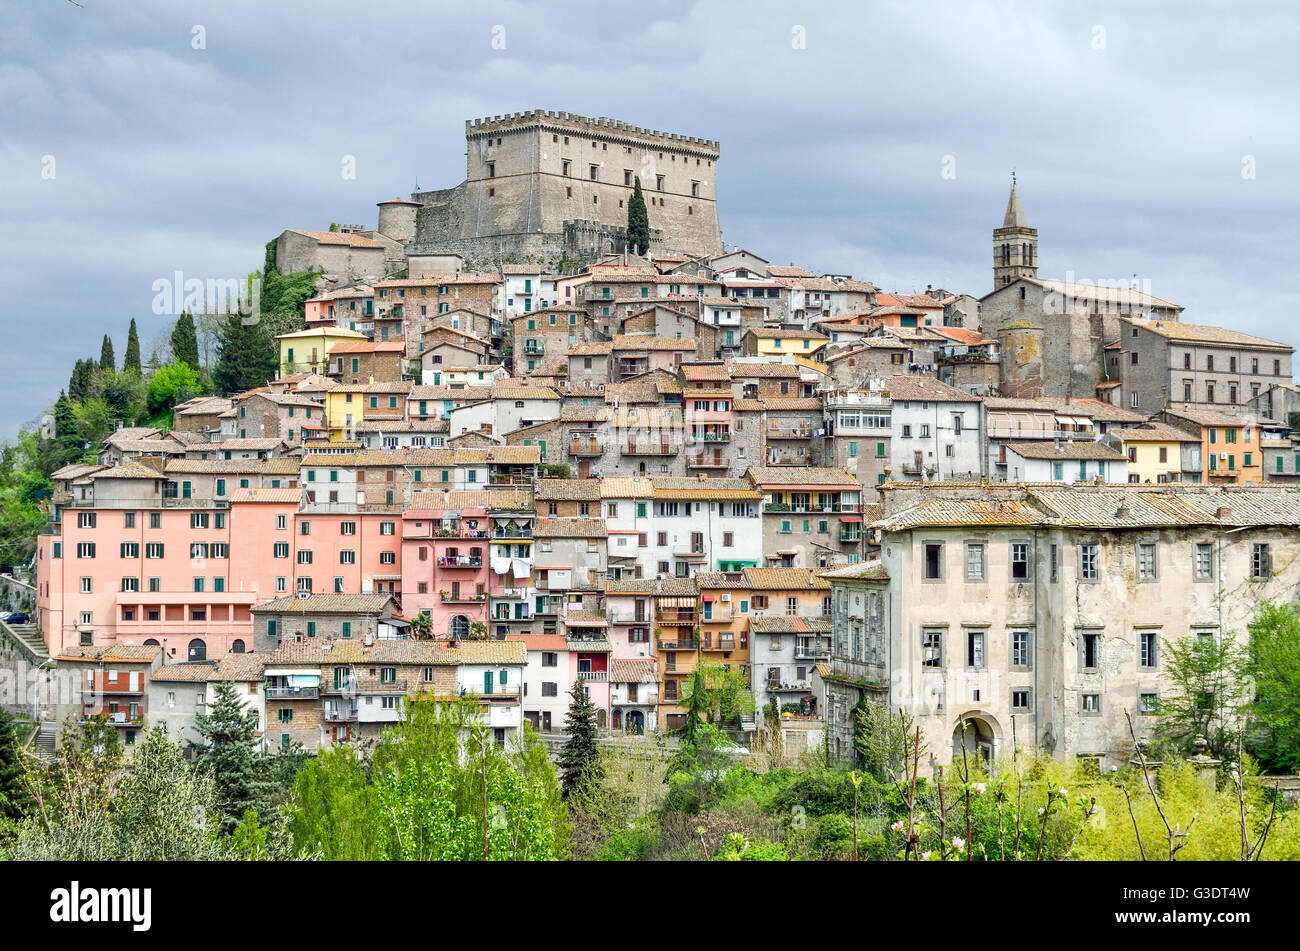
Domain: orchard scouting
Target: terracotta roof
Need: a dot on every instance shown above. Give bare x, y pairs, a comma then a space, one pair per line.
593, 527
960, 512
711, 488
802, 475
240, 667
781, 270
658, 587
124, 653
1209, 417
782, 333
632, 671
785, 624
339, 237
183, 673
710, 580
326, 604
742, 370
430, 280
1152, 432
784, 579
265, 494
626, 487
716, 372
492, 652
568, 490
647, 342
509, 391
926, 389
1074, 449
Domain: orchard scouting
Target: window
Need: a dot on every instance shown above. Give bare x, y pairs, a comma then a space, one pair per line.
932, 648
281, 549
1089, 645
1089, 561
933, 561
153, 550
350, 528
1092, 703
85, 549
88, 586
85, 520
1147, 649
974, 648
1019, 561
1020, 649
347, 557
1020, 698
975, 562
1261, 565
130, 549
1146, 561
386, 528
304, 528
550, 689
304, 556
1204, 561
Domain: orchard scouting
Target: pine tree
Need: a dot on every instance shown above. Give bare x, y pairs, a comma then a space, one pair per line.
246, 356
185, 342
230, 755
132, 359
638, 222
107, 362
580, 757
14, 798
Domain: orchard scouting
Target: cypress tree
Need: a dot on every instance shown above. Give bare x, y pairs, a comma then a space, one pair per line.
132, 359
66, 434
185, 342
106, 359
638, 222
81, 386
580, 757
247, 356
229, 754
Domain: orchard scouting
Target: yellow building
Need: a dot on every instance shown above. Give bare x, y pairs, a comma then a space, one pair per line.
350, 403
1154, 451
1230, 445
307, 351
782, 342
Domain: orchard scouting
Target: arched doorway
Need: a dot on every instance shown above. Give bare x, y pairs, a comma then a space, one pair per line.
602, 718
979, 737
636, 722
198, 650
237, 647
459, 628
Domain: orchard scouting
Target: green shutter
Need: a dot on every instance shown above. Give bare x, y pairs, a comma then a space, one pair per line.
311, 628
270, 628
347, 628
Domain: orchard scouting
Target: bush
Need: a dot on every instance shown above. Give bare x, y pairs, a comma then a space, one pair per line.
634, 845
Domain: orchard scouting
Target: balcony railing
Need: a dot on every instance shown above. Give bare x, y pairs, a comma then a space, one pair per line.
850, 536
340, 714
457, 597
681, 644
811, 508
650, 449
512, 532
812, 653
585, 447
706, 461
711, 437
721, 644
594, 675
460, 561
782, 432
292, 693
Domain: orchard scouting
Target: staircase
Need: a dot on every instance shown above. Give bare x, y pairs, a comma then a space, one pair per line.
28, 639
42, 745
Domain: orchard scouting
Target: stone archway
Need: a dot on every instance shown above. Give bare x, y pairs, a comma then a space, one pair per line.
980, 735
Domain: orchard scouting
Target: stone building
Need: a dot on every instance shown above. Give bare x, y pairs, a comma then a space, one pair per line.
1040, 615
1159, 363
857, 666
541, 186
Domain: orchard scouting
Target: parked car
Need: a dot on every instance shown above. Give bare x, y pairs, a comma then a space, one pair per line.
17, 617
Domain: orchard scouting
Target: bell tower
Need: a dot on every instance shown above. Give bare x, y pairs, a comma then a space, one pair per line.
1015, 244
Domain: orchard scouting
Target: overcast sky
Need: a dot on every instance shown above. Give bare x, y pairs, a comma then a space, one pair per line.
1149, 139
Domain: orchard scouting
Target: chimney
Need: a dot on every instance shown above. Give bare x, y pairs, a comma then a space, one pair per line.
1223, 512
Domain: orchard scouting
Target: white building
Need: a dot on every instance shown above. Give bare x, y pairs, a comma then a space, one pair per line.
938, 431
1065, 461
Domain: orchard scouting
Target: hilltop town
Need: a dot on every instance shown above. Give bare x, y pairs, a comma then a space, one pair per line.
508, 450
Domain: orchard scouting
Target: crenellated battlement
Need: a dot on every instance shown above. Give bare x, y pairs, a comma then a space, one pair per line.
602, 125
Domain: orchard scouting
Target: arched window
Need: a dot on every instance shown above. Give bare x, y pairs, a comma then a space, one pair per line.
198, 650
152, 642
237, 647
460, 627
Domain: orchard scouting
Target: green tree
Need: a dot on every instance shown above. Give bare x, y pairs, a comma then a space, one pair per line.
723, 693
1206, 674
15, 800
125, 394
1275, 666
229, 754
172, 383
436, 788
67, 436
422, 627
185, 342
881, 738
638, 220
107, 362
81, 386
246, 356
95, 420
131, 361
579, 759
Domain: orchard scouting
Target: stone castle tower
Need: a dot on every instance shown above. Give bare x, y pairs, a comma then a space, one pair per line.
1015, 244
543, 186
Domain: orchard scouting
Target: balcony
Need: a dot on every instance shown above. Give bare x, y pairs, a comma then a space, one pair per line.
340, 714
812, 653
585, 447
721, 644
592, 645
510, 478
788, 688
711, 437
456, 597
535, 349
512, 532
808, 508
850, 536
706, 461
460, 561
788, 432
650, 449
676, 618
293, 693
601, 676
680, 644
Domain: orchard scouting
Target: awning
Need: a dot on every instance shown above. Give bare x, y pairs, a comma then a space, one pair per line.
850, 518
707, 597
1082, 421
1065, 420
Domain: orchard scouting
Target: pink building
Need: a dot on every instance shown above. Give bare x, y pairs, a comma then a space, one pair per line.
587, 636
445, 569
